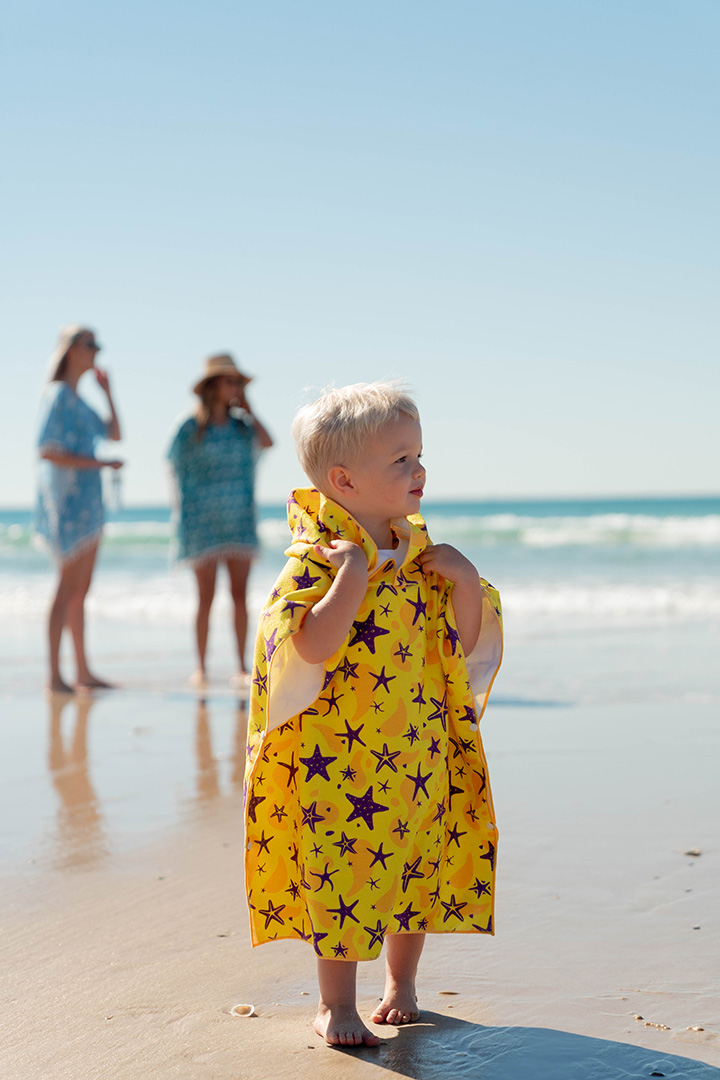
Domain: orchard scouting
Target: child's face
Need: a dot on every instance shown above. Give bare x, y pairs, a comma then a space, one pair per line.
387, 480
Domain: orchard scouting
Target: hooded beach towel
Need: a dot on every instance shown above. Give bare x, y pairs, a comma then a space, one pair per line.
368, 807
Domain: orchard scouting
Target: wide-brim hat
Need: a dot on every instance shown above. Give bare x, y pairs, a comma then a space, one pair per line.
222, 364
67, 336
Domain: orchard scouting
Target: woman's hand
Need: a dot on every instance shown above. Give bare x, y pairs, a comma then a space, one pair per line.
103, 380
115, 464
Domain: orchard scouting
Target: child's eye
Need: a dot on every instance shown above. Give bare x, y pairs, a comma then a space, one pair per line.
401, 459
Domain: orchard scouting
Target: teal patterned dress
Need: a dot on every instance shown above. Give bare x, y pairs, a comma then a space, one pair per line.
215, 477
69, 512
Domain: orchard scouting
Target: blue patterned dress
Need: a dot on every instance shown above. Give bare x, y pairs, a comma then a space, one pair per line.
215, 475
69, 513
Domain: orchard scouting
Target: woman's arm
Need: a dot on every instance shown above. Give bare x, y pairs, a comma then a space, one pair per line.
261, 433
75, 461
113, 425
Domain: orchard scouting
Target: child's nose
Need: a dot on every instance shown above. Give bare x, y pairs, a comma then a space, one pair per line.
419, 469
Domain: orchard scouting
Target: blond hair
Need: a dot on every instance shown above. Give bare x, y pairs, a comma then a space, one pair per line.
334, 429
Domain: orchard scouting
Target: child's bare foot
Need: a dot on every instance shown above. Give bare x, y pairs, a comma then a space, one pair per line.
399, 1005
342, 1026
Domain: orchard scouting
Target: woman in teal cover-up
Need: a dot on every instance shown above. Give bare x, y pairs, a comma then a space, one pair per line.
69, 515
213, 455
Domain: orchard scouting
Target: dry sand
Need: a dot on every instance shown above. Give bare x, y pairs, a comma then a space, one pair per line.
124, 933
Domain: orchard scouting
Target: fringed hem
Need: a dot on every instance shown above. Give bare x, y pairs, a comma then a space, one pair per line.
220, 553
76, 551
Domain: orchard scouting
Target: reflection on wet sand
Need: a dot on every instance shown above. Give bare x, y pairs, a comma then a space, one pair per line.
81, 839
208, 775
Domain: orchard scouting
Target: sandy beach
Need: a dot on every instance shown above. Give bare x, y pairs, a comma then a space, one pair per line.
125, 939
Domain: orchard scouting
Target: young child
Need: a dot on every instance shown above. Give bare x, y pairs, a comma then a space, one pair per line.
369, 818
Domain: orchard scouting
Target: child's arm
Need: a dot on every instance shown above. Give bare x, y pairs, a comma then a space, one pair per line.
467, 595
328, 623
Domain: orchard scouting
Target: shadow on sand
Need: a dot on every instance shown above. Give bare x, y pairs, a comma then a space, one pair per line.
445, 1048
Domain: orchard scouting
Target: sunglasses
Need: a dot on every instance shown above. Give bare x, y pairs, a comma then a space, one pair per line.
232, 380
93, 345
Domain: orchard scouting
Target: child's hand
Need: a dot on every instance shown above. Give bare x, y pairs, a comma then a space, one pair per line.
448, 561
340, 553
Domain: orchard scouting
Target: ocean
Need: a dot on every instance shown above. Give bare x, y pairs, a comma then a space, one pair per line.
585, 563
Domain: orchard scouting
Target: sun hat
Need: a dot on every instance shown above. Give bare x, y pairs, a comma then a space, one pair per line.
67, 337
222, 364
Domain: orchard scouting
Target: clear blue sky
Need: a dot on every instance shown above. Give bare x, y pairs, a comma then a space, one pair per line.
512, 206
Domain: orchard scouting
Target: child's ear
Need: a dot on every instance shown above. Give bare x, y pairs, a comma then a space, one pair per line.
341, 482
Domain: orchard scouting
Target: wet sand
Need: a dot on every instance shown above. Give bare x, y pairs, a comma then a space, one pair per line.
125, 942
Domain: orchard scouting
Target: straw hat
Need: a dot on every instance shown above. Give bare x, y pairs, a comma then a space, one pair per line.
68, 336
222, 364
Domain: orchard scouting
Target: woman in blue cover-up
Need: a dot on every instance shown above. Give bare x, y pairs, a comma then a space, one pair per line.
69, 516
213, 455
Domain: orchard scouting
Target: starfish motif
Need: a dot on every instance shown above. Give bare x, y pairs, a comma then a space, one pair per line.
301, 933
260, 681
311, 816
402, 827
270, 645
325, 877
490, 855
377, 933
413, 734
434, 747
440, 710
452, 792
451, 635
435, 864
453, 834
467, 745
405, 916
305, 580
470, 714
348, 773
382, 679
386, 758
383, 586
348, 670
346, 844
263, 842
419, 605
293, 889
351, 734
422, 925
340, 950
410, 871
272, 914
317, 764
345, 911
317, 938
484, 929
279, 812
364, 806
292, 769
379, 856
480, 888
253, 804
403, 652
471, 813
385, 609
331, 702
419, 781
290, 606
366, 631
316, 850
420, 700
453, 908
441, 811
384, 786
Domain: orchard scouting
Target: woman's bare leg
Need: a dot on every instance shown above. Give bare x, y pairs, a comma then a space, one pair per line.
72, 585
399, 1003
206, 574
76, 623
338, 1020
238, 569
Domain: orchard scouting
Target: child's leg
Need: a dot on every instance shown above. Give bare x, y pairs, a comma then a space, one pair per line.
399, 1003
338, 1020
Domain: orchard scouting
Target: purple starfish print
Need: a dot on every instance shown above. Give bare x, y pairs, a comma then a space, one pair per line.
484, 929
305, 580
420, 700
452, 635
470, 714
364, 806
260, 681
255, 801
348, 670
402, 827
340, 951
349, 774
413, 734
311, 816
419, 605
325, 877
383, 586
317, 938
480, 888
419, 781
377, 934
490, 855
366, 631
453, 908
279, 812
346, 845
290, 606
440, 812
270, 645
403, 651
317, 764
331, 702
434, 747
272, 914
381, 679
379, 856
440, 710
345, 911
292, 769
385, 758
351, 734
263, 843
405, 916
453, 834
410, 871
